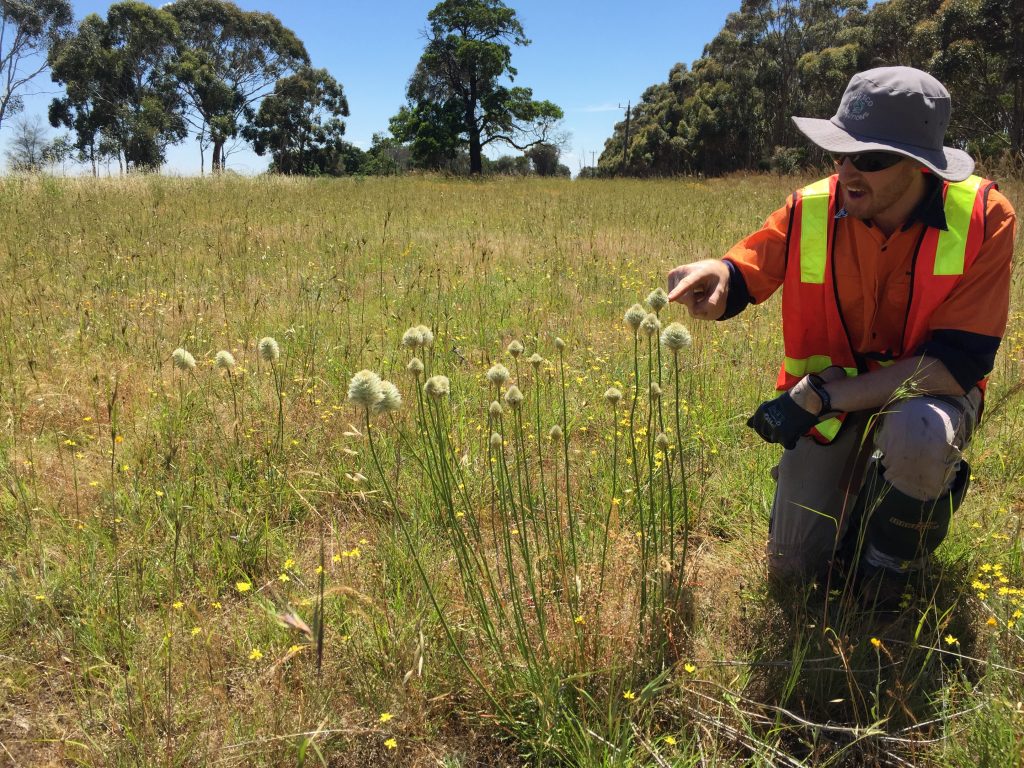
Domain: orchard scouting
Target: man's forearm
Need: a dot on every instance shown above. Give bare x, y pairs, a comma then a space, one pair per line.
923, 375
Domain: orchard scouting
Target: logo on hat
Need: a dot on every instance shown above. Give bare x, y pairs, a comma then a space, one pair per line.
858, 107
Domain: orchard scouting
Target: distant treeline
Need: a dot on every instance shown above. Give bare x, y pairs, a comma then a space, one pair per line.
730, 110
144, 78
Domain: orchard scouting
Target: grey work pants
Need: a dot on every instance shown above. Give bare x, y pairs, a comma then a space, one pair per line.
919, 441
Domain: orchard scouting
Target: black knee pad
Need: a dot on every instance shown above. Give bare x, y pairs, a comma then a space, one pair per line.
906, 528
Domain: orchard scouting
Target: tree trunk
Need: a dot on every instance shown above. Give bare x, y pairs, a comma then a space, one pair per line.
476, 163
217, 161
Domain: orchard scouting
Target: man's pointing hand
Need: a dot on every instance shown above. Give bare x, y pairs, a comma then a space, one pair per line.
701, 287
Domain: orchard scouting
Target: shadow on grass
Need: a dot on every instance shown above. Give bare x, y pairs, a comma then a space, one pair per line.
857, 675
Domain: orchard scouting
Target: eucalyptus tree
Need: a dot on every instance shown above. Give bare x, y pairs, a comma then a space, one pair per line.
227, 60
460, 95
119, 91
300, 125
27, 30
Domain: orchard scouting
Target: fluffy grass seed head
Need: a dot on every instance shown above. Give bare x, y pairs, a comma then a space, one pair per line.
555, 434
651, 324
183, 360
662, 442
559, 344
676, 337
365, 389
415, 366
657, 299
269, 349
438, 387
514, 397
391, 398
635, 316
515, 348
495, 410
498, 375
412, 338
426, 335
496, 441
655, 391
535, 360
225, 360
613, 396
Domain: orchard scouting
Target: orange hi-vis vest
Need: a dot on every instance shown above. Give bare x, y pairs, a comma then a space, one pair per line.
814, 334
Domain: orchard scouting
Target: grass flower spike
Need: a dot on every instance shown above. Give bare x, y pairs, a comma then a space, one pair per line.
426, 335
535, 360
514, 348
269, 349
656, 300
650, 324
555, 433
613, 396
498, 375
225, 360
415, 366
635, 316
676, 337
514, 397
495, 410
437, 387
183, 360
412, 338
496, 441
390, 400
365, 389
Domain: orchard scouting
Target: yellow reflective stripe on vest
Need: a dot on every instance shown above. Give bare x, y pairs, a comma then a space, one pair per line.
814, 231
949, 255
814, 364
829, 428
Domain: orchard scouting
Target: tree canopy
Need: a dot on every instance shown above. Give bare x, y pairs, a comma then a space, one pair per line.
27, 30
776, 58
458, 96
116, 74
300, 125
226, 61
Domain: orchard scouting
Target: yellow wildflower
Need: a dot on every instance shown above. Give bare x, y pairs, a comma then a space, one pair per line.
628, 695
255, 654
243, 586
391, 744
384, 717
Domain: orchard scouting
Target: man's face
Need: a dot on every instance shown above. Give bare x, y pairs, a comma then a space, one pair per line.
867, 195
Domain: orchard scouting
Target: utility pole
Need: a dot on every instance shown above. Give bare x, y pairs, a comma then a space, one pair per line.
625, 144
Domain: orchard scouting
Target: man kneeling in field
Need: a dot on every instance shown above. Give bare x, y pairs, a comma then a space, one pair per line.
895, 275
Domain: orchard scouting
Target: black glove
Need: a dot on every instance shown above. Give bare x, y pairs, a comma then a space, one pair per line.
782, 421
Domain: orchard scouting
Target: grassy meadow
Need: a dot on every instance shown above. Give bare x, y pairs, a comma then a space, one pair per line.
240, 565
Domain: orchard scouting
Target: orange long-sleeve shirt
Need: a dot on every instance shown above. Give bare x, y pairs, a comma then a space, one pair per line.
873, 274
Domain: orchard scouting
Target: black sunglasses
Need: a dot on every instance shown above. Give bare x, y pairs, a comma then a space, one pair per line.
869, 162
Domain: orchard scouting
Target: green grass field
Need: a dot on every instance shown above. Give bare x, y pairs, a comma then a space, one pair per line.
242, 567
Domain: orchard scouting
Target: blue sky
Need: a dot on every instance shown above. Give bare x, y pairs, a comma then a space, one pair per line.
587, 57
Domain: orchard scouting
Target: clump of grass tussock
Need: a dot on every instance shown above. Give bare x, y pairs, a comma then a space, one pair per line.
128, 640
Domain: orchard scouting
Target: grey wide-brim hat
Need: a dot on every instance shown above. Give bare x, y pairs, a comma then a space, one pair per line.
892, 109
